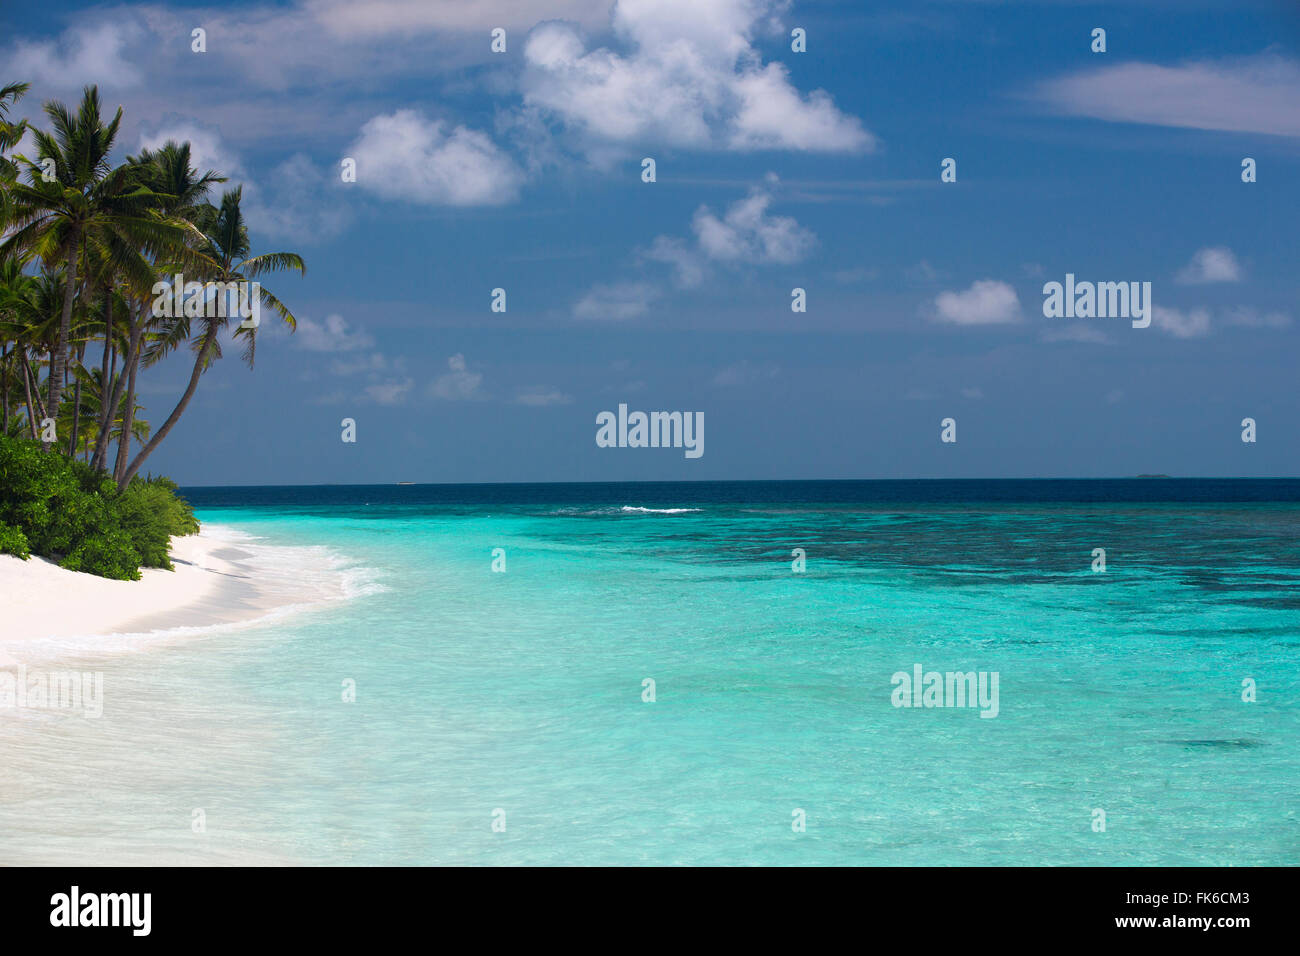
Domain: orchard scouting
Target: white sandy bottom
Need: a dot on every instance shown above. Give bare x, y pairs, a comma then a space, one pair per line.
168, 738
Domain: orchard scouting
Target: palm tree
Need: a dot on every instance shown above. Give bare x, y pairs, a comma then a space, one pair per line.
182, 194
225, 254
10, 134
29, 305
83, 201
91, 389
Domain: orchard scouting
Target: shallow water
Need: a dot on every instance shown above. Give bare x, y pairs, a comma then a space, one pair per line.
522, 691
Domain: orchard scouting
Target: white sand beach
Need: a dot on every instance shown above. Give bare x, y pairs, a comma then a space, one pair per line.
47, 611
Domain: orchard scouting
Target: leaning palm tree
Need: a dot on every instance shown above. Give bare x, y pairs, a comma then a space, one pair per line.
226, 259
182, 194
76, 198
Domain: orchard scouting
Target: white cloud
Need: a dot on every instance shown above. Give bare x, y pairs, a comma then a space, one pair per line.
619, 301
404, 156
298, 201
744, 235
986, 302
332, 335
389, 393
292, 201
458, 383
747, 234
1182, 325
685, 261
972, 393
91, 53
691, 78
1214, 264
207, 148
347, 18
1249, 95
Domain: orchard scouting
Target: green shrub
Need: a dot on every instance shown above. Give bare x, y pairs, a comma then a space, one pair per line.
151, 513
13, 541
62, 509
108, 554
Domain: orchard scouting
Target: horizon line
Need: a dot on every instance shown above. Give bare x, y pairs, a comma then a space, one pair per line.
702, 481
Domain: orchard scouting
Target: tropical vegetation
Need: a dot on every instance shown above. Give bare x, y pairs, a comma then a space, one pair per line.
88, 241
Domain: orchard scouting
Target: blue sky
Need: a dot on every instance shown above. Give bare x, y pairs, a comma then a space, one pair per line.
775, 170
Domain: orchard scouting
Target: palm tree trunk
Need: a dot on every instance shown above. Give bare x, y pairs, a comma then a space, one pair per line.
129, 370
27, 387
59, 360
76, 406
104, 440
110, 399
4, 398
209, 337
107, 362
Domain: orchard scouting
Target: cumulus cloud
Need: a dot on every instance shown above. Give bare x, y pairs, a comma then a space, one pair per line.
746, 233
296, 201
349, 19
619, 301
208, 150
986, 302
1247, 95
678, 254
90, 53
458, 383
331, 335
1181, 325
388, 393
292, 200
1215, 264
403, 155
691, 77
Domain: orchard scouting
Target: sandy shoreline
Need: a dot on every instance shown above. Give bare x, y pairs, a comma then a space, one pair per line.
49, 611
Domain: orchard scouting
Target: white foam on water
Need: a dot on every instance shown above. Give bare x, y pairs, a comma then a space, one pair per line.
279, 581
632, 509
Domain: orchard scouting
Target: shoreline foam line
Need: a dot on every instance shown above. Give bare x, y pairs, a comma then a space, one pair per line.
224, 578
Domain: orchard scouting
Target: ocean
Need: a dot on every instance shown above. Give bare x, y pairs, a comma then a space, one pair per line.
646, 678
